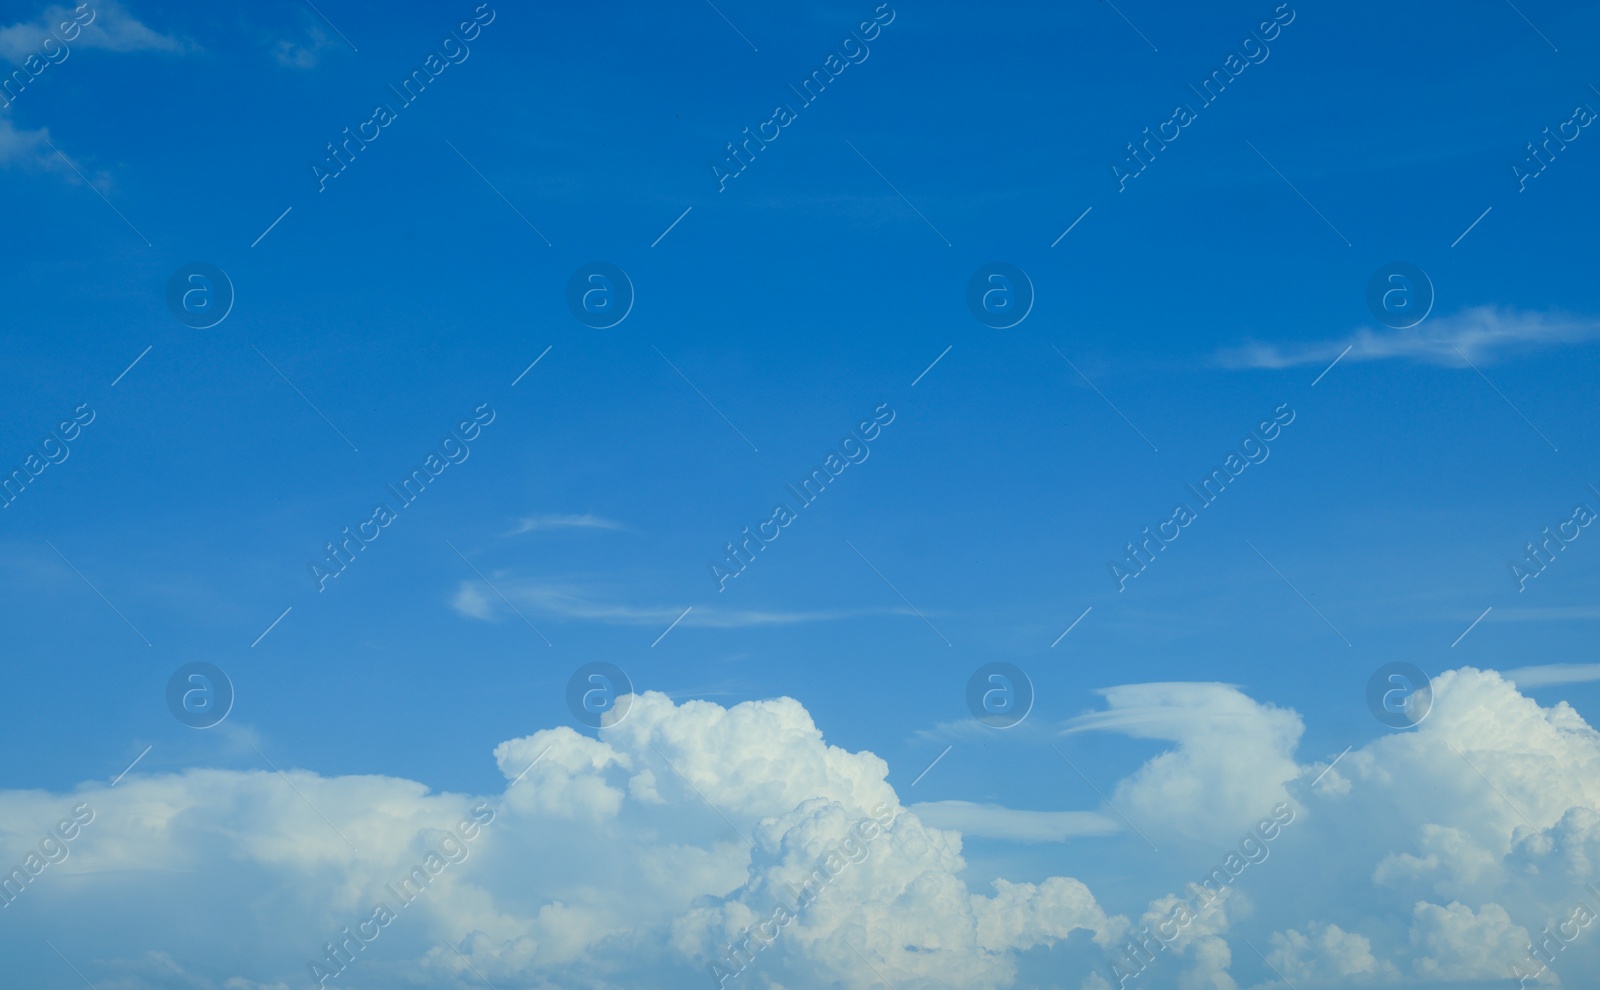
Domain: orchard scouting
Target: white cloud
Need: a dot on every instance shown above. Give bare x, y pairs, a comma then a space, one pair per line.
1232, 759
601, 866
1481, 334
1454, 942
623, 860
529, 524
295, 54
1328, 954
569, 602
112, 29
27, 148
1550, 675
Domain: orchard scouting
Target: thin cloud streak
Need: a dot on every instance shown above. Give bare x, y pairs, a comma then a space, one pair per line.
531, 524
572, 603
1482, 334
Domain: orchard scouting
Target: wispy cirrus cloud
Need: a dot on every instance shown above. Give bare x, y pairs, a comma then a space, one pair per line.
34, 45
1481, 334
531, 524
475, 601
1553, 674
307, 54
112, 29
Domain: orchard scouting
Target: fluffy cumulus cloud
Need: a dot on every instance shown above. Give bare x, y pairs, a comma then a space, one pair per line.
640, 858
1231, 760
693, 844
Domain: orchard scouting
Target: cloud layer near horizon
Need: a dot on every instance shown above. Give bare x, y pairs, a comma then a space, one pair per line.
1425, 858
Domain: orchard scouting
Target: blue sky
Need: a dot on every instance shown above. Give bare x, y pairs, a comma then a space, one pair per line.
820, 283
